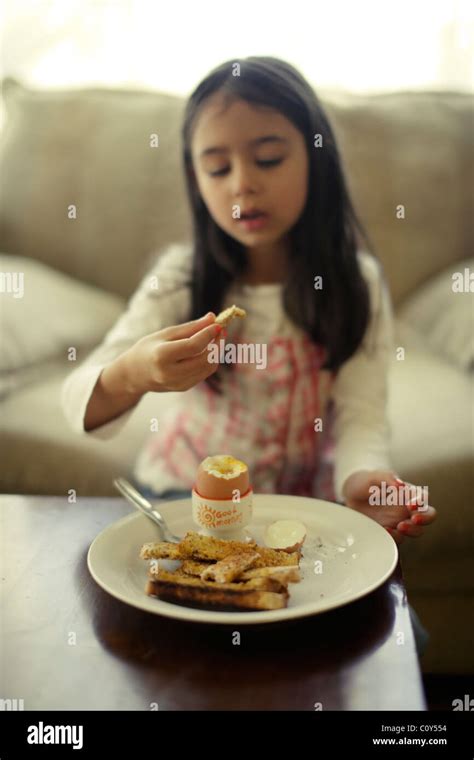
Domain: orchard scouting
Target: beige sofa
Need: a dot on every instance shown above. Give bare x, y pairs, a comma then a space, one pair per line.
90, 148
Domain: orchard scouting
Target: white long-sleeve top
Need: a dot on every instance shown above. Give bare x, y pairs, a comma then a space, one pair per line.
268, 415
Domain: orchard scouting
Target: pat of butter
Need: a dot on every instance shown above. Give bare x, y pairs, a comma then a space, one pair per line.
284, 534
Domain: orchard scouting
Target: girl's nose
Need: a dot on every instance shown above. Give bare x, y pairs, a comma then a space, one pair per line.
244, 179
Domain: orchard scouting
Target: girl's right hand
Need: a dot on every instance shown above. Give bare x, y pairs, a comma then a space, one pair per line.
173, 359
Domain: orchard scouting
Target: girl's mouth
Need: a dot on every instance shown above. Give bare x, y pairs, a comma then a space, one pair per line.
253, 222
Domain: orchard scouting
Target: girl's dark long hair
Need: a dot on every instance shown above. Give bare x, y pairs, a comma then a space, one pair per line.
323, 242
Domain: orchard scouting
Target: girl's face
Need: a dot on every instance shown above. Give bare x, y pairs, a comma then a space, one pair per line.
229, 156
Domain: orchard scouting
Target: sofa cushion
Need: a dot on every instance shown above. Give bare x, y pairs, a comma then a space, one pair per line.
41, 455
445, 315
91, 148
409, 163
52, 313
430, 405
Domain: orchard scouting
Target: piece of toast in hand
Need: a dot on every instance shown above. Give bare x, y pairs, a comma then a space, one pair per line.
227, 315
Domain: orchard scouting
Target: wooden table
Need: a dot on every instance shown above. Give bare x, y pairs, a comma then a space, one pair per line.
126, 659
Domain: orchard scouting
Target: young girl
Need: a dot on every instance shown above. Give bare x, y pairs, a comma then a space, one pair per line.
310, 417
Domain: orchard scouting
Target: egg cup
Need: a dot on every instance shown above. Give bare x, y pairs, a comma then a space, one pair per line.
223, 518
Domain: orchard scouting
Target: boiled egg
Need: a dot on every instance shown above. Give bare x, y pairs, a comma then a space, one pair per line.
219, 476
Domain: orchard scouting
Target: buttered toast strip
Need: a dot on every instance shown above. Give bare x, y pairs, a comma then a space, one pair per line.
160, 550
283, 574
216, 598
194, 566
186, 589
207, 547
229, 568
190, 581
195, 546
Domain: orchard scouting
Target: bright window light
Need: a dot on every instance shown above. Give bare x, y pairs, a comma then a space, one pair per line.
362, 46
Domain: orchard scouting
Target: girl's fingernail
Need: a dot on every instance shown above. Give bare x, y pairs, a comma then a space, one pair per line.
399, 480
417, 519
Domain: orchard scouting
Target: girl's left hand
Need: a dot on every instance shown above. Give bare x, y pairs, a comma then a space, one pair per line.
409, 517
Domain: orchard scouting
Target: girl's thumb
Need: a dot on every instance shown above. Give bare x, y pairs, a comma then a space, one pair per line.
188, 329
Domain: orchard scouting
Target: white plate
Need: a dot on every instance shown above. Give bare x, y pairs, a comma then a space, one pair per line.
356, 554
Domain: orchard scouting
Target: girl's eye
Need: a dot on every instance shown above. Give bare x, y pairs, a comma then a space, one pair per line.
263, 164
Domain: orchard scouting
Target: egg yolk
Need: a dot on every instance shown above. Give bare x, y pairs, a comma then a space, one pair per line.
224, 466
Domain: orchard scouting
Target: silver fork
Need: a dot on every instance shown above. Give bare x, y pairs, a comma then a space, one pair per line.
142, 504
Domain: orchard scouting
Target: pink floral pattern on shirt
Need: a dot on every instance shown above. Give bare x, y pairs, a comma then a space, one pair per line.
266, 417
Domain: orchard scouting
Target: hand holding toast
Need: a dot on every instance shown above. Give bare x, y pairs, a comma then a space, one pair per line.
173, 359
